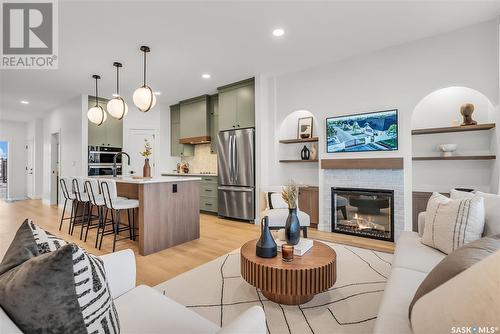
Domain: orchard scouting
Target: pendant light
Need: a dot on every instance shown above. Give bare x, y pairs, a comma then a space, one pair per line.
143, 97
116, 106
96, 114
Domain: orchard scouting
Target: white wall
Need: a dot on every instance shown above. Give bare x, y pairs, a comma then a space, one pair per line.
15, 134
397, 77
66, 120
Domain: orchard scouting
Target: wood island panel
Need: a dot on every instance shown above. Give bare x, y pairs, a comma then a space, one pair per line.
165, 218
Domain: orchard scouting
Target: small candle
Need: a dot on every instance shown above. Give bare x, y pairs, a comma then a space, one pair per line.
287, 252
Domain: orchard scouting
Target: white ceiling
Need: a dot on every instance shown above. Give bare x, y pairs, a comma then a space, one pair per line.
229, 40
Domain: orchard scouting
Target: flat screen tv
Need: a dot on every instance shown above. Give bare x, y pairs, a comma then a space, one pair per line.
373, 131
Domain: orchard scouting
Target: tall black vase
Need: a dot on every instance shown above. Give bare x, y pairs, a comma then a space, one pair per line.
266, 246
292, 227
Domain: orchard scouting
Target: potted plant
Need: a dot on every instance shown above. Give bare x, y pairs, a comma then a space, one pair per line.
148, 150
290, 194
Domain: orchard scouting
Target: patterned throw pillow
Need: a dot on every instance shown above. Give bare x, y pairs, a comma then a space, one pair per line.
450, 223
63, 291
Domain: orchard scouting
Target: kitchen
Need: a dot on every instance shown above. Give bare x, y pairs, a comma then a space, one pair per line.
212, 137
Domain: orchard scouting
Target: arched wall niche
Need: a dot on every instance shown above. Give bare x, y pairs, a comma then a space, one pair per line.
441, 108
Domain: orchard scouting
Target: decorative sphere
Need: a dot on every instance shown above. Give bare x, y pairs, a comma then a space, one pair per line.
97, 115
144, 98
117, 107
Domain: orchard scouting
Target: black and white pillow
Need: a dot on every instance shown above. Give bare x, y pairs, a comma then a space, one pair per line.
64, 291
46, 242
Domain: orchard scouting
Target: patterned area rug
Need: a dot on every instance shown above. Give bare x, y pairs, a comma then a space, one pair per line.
217, 292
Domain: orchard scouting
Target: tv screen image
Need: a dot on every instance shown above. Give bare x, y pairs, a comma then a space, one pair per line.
374, 131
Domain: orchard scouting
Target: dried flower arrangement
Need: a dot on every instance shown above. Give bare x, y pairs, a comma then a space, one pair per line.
148, 150
290, 193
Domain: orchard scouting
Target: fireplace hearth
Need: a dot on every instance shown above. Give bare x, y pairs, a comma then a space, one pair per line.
363, 212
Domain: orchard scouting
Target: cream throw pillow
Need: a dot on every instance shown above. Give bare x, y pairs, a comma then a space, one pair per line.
491, 207
468, 300
451, 223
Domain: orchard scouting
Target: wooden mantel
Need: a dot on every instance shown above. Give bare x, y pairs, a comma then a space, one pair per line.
365, 163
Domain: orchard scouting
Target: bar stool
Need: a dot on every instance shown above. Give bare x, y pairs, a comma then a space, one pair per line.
68, 196
92, 189
82, 199
109, 192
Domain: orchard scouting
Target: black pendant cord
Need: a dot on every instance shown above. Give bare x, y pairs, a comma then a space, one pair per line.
144, 68
117, 81
96, 94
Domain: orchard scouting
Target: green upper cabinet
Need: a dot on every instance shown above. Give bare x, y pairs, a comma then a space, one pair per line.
109, 133
214, 122
194, 119
237, 105
176, 148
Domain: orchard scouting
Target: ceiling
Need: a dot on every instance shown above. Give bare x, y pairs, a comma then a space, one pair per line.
229, 40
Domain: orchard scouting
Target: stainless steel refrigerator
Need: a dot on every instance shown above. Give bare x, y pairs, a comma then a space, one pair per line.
236, 173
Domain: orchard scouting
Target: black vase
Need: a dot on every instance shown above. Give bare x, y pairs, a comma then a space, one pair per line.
305, 153
292, 227
266, 246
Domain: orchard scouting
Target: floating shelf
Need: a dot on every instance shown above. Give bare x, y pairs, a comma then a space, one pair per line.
465, 128
457, 157
289, 161
298, 141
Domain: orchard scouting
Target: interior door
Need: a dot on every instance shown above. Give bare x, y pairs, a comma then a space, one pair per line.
136, 141
29, 169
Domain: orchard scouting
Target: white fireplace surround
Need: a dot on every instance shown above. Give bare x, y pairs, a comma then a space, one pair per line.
390, 179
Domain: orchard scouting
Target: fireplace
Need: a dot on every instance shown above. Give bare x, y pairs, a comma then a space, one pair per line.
363, 212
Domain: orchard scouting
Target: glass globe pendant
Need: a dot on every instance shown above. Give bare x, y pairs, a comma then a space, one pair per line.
117, 106
144, 97
97, 114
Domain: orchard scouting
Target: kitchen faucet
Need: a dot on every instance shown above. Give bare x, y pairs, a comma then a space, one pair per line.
114, 161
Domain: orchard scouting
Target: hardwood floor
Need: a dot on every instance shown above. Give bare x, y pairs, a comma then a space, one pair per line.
218, 237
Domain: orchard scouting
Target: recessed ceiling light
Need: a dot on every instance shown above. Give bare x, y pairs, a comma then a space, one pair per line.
278, 32
206, 76
25, 102
157, 93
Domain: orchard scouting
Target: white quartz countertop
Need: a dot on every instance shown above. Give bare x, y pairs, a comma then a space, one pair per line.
157, 179
187, 174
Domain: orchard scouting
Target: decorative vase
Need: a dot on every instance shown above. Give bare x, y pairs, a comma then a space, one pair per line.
292, 227
305, 154
146, 170
266, 246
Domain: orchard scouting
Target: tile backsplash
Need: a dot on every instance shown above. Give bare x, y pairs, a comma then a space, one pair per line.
202, 161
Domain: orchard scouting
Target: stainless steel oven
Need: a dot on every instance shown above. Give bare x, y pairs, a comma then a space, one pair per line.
100, 160
103, 169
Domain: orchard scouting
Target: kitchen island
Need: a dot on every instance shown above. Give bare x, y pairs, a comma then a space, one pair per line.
169, 209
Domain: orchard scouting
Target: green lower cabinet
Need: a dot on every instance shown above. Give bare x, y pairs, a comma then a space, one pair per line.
208, 194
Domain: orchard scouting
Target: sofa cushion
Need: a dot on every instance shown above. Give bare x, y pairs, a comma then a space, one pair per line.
450, 223
410, 253
63, 291
458, 261
30, 241
393, 311
275, 201
277, 217
467, 300
145, 310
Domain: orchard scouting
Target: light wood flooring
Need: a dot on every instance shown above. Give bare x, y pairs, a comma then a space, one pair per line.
218, 237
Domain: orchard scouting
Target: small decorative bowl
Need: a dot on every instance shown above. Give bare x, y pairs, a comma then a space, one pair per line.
447, 149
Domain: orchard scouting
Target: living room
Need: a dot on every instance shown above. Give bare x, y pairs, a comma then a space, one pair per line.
366, 135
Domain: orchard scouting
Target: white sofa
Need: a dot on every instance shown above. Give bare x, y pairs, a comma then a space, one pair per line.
411, 263
142, 309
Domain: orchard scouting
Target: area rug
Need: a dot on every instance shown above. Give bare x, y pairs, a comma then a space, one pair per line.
217, 292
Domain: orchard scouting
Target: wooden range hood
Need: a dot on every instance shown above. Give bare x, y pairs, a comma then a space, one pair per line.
195, 140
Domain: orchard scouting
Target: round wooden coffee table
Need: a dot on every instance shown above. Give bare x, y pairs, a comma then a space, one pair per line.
290, 283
